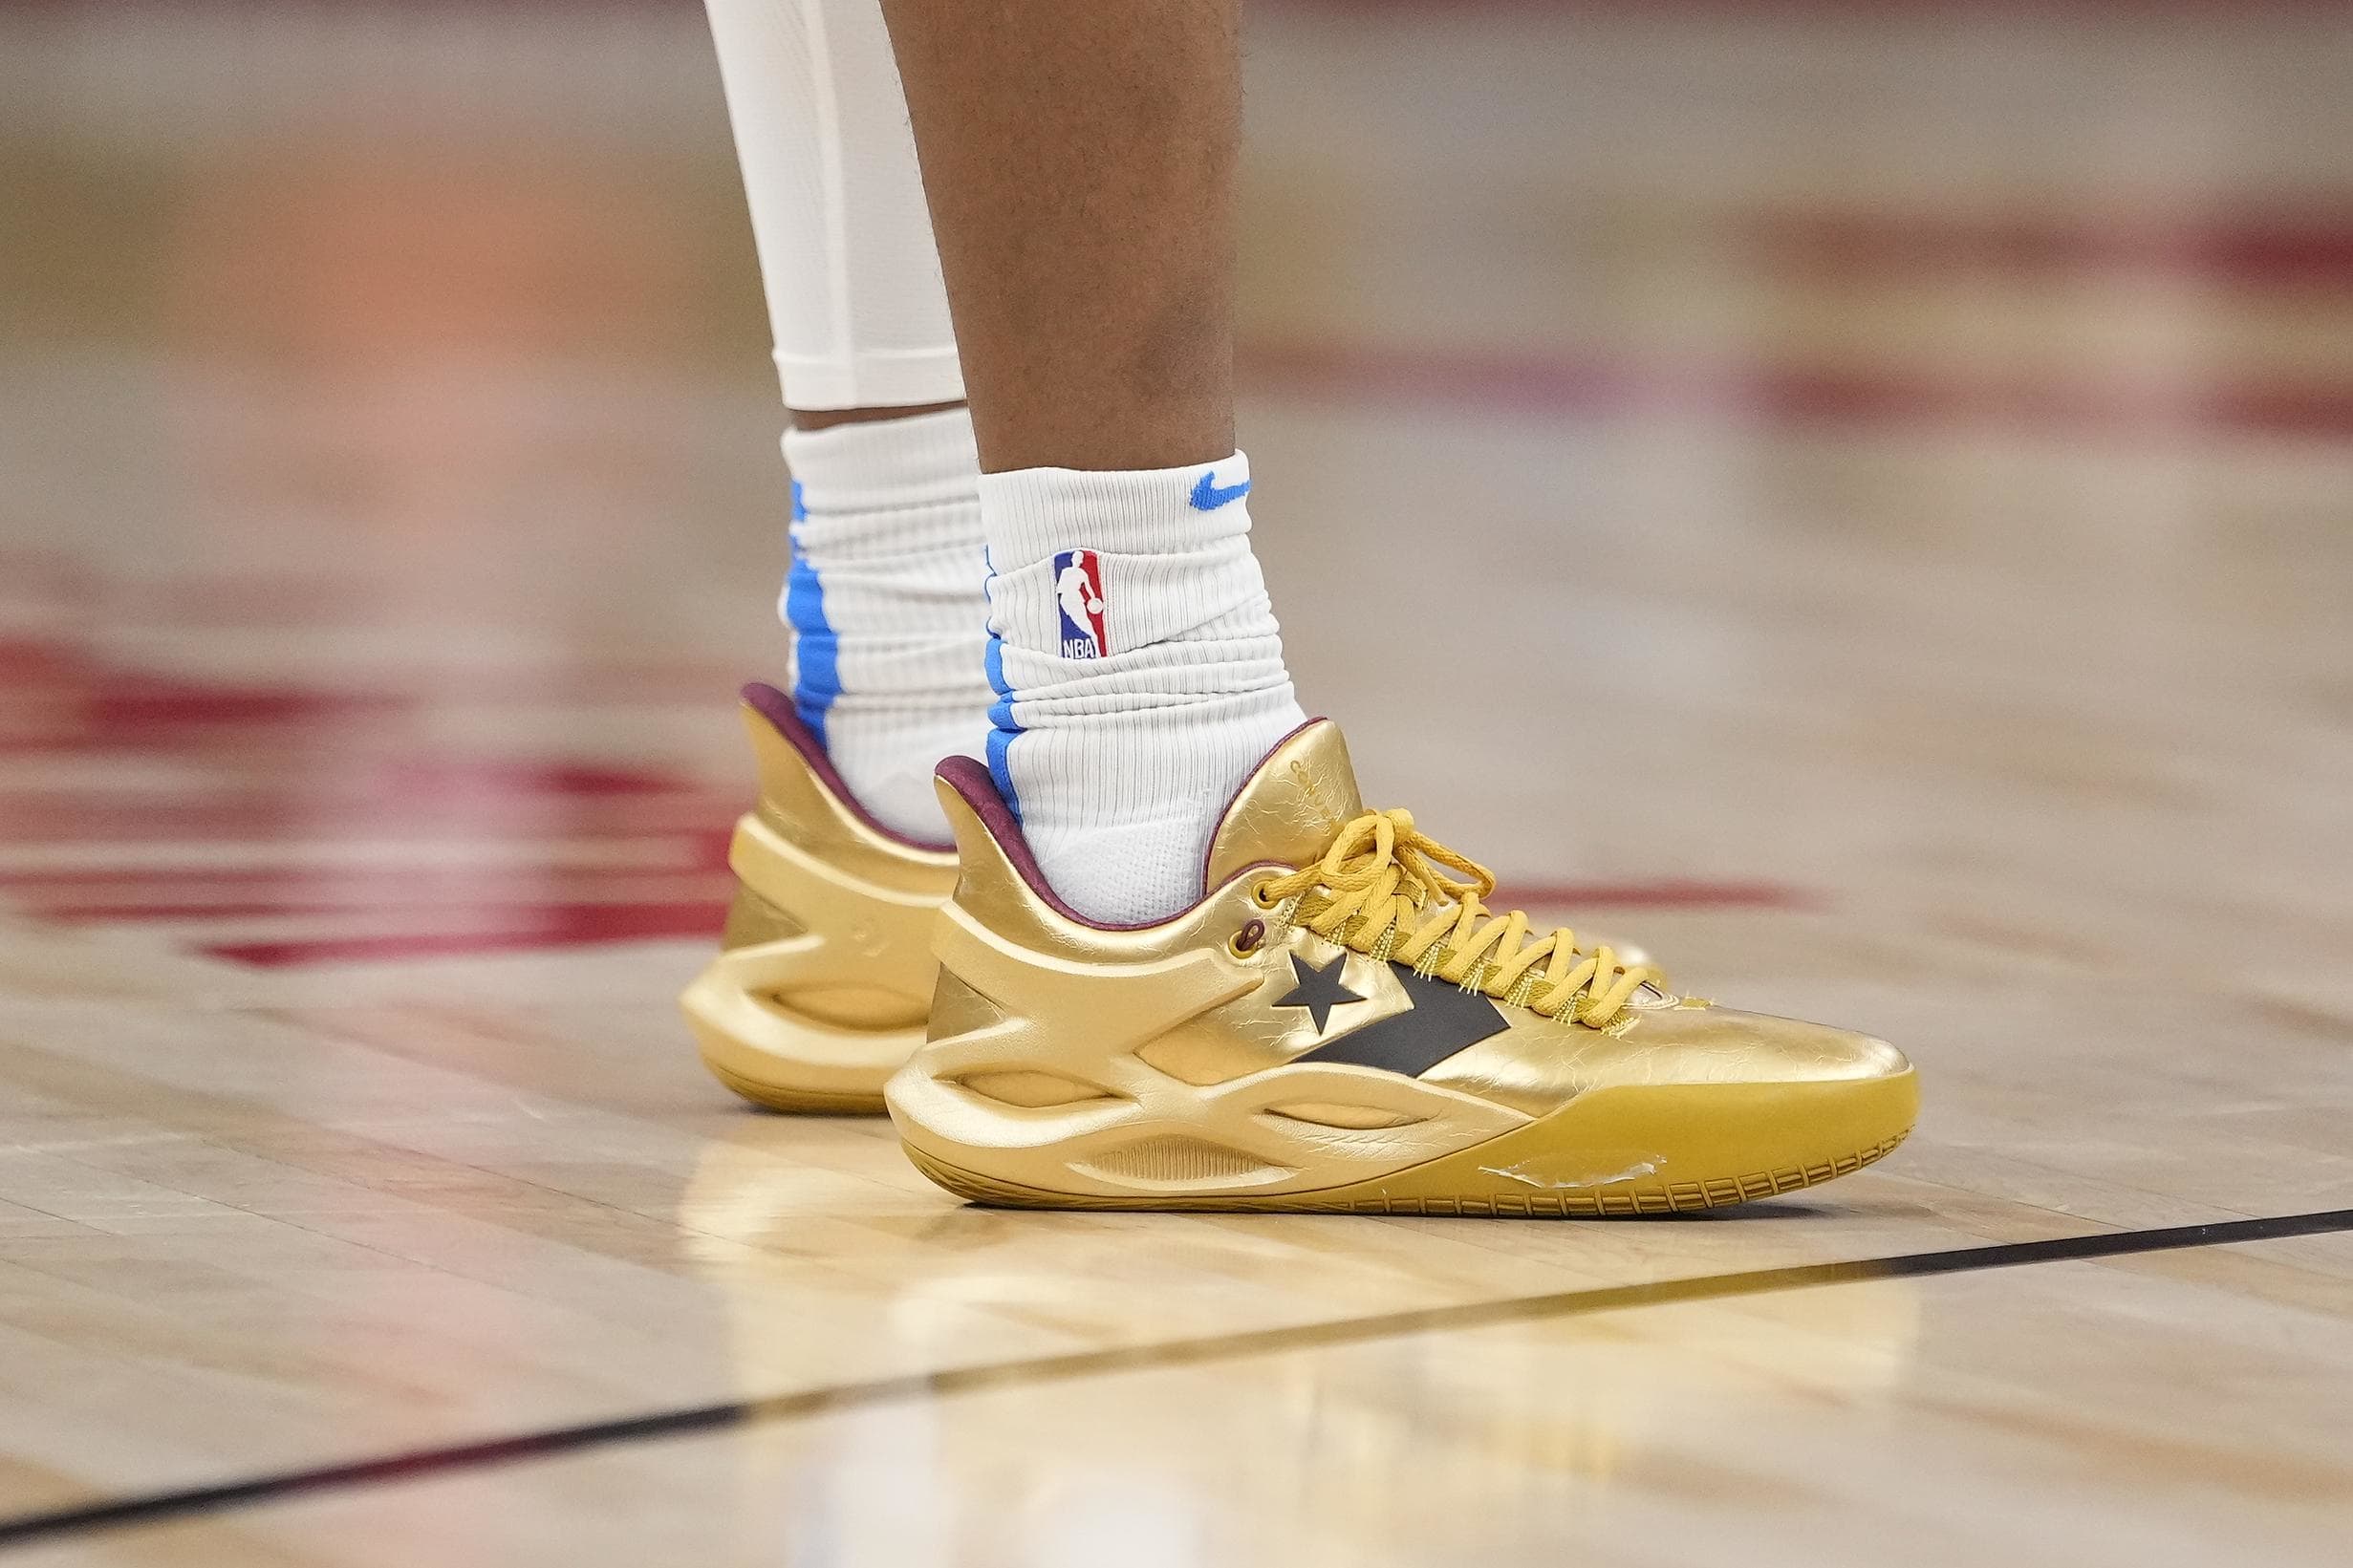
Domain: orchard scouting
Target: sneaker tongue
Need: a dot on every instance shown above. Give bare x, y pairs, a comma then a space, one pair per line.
1288, 809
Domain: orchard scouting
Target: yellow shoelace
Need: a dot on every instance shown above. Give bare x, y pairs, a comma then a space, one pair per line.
1382, 875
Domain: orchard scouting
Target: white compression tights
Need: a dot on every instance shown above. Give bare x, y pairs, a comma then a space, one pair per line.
846, 251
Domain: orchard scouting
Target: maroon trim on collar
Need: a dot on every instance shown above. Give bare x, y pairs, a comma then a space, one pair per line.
784, 718
978, 790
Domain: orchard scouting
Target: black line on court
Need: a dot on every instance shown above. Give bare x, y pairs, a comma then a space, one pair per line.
160, 1506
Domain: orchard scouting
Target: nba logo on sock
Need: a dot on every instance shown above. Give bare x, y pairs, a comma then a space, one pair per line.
1078, 589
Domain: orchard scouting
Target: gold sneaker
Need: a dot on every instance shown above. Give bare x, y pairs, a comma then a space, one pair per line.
825, 977
1342, 1026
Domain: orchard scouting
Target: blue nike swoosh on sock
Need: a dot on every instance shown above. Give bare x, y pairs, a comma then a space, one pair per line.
1208, 495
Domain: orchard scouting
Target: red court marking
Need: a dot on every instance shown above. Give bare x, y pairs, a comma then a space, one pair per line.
553, 925
1567, 384
691, 854
276, 772
2253, 252
538, 805
524, 914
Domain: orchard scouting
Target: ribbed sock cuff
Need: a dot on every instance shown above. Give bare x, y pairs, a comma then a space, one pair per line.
922, 460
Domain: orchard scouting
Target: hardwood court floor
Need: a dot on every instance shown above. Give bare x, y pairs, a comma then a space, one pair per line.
1863, 505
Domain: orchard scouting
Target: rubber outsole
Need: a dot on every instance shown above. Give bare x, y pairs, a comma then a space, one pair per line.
1629, 1201
1621, 1149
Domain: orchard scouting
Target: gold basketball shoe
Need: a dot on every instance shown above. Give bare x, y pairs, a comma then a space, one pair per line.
1342, 1024
825, 975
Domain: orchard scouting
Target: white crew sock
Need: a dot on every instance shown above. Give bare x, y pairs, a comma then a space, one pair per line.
885, 603
1139, 673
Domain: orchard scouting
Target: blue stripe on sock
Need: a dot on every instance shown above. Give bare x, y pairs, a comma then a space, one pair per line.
1000, 712
998, 741
817, 651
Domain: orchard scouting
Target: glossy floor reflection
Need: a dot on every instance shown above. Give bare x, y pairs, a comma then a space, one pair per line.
1900, 461
1971, 1419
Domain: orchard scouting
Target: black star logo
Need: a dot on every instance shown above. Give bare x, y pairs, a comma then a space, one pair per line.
1318, 990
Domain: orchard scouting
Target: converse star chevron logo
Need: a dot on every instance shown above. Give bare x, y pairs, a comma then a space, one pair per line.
1318, 990
1440, 1020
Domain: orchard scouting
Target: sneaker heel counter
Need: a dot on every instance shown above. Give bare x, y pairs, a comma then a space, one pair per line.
788, 788
990, 890
987, 919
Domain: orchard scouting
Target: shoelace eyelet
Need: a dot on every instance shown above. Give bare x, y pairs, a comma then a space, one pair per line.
1249, 938
1260, 897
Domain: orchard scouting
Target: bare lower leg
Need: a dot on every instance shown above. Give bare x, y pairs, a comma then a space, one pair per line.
825, 419
1079, 158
